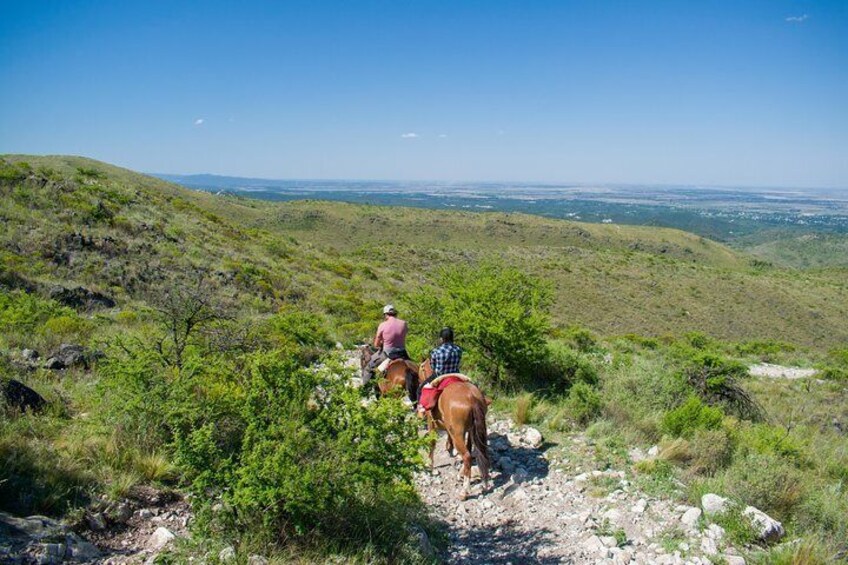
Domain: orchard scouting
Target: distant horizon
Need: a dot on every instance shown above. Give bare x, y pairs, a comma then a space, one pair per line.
571, 184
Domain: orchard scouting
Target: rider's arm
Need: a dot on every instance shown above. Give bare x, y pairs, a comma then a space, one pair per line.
378, 339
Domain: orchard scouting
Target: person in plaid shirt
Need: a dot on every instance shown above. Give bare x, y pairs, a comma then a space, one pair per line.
445, 359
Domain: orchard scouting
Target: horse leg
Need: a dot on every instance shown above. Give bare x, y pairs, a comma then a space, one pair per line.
431, 427
449, 446
465, 472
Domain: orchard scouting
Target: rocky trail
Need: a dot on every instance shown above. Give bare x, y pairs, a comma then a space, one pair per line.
535, 512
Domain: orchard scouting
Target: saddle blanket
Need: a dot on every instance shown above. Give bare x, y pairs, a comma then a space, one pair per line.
431, 391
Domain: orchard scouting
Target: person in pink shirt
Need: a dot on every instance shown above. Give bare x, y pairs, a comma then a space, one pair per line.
390, 341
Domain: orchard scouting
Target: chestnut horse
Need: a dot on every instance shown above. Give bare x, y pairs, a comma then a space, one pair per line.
461, 412
399, 373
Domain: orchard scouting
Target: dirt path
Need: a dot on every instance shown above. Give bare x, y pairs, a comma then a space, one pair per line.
537, 513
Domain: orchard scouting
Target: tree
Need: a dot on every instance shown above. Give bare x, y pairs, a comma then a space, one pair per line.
499, 314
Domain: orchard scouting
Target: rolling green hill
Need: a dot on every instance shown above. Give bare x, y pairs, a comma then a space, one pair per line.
345, 259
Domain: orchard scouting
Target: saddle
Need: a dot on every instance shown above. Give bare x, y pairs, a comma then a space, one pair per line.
384, 366
431, 392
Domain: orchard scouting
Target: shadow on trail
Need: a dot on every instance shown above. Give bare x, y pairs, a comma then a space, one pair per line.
521, 463
505, 543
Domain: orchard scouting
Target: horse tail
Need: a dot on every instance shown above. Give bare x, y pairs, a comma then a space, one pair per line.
480, 437
411, 379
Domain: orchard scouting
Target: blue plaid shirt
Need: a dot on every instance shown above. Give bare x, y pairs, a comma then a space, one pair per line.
445, 359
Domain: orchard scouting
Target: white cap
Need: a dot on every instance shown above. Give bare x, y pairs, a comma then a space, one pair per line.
389, 309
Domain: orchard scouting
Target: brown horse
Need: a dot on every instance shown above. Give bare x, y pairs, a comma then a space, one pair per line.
399, 374
461, 412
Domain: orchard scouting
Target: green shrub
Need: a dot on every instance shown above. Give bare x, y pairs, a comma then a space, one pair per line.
766, 439
562, 367
499, 314
834, 373
767, 482
715, 379
584, 403
712, 450
766, 350
689, 417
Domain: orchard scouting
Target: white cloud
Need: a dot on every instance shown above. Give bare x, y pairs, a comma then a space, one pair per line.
443, 135
409, 135
797, 19
199, 121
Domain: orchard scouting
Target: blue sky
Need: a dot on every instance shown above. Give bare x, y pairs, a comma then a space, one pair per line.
711, 92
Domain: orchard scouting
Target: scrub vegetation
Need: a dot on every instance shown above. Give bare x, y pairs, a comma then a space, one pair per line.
216, 370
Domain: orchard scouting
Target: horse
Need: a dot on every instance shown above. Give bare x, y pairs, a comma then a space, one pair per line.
400, 373
461, 412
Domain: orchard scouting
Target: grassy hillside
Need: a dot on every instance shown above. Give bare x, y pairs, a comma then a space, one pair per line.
813, 250
228, 410
612, 279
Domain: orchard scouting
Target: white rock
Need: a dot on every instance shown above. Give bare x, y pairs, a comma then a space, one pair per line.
533, 437
654, 451
640, 506
227, 554
613, 515
609, 541
768, 528
594, 545
160, 538
691, 516
713, 504
257, 560
734, 560
714, 531
708, 546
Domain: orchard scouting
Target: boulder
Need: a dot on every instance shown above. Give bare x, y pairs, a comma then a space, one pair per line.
227, 554
67, 356
159, 539
734, 560
81, 298
20, 396
768, 529
257, 560
30, 355
713, 504
691, 516
533, 438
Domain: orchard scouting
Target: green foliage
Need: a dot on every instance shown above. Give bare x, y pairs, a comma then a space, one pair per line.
23, 315
561, 367
297, 327
766, 350
499, 314
715, 379
767, 482
767, 439
691, 416
584, 403
712, 450
737, 526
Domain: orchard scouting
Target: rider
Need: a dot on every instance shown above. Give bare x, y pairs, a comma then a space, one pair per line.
390, 341
445, 359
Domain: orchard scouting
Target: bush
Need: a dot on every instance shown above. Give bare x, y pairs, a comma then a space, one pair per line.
766, 439
689, 417
767, 482
499, 314
561, 367
715, 380
712, 450
584, 403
